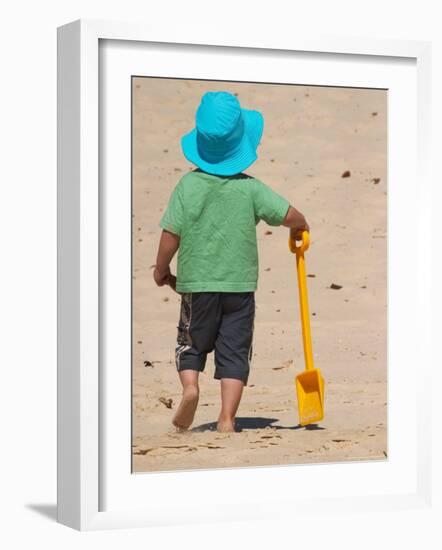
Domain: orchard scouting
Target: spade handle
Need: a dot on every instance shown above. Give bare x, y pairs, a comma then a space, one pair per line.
303, 296
305, 243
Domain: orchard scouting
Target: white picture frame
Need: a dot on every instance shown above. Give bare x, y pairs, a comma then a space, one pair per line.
80, 439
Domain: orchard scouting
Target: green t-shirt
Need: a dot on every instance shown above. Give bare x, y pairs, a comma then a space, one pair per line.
216, 218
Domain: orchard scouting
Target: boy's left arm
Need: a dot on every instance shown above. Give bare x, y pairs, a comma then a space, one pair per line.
169, 244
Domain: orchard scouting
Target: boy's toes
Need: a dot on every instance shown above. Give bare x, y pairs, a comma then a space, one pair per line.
179, 429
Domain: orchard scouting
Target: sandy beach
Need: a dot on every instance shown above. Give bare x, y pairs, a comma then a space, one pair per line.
313, 136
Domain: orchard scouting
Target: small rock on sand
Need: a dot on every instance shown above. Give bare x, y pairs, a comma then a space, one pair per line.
168, 402
346, 174
334, 286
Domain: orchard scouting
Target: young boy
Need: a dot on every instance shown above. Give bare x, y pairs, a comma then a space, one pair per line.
211, 219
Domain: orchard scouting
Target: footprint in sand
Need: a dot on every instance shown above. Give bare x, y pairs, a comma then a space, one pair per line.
143, 451
284, 365
185, 448
210, 446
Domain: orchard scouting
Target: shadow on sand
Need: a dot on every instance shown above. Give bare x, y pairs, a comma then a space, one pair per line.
255, 423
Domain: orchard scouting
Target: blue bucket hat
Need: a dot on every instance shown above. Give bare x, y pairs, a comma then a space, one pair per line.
226, 136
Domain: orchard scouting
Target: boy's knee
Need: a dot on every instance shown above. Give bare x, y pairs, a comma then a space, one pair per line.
192, 391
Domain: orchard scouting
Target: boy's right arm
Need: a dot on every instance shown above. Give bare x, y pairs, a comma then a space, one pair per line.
276, 210
296, 221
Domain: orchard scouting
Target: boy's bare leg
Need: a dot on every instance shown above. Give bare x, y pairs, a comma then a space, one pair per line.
231, 392
186, 410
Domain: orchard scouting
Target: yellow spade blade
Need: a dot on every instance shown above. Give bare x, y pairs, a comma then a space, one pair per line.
310, 392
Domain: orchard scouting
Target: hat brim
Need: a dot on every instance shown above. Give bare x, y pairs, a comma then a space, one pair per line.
244, 156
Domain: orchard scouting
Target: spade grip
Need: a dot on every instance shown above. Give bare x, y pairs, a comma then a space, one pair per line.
303, 295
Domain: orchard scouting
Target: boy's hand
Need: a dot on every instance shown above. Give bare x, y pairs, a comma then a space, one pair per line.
164, 278
161, 277
296, 232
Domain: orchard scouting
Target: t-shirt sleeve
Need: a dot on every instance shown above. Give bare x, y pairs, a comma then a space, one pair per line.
173, 218
269, 205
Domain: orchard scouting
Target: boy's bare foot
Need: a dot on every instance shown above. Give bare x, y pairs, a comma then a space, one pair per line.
186, 410
225, 425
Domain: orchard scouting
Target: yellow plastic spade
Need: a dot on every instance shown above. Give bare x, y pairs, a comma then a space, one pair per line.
310, 383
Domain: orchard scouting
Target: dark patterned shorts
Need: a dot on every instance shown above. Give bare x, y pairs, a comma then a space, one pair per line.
216, 321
